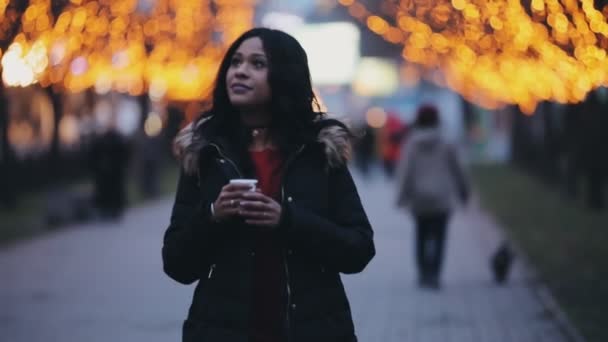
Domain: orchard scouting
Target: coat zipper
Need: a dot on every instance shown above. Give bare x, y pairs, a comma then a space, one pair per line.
293, 156
285, 263
219, 150
211, 269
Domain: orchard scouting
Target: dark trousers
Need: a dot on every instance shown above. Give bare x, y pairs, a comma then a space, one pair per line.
389, 167
430, 243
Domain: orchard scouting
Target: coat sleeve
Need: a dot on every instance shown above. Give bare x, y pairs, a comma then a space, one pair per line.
343, 241
186, 244
404, 172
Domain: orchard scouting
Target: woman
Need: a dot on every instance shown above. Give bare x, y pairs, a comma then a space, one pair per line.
431, 181
267, 262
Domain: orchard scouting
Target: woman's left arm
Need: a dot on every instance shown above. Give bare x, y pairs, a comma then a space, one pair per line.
342, 241
187, 241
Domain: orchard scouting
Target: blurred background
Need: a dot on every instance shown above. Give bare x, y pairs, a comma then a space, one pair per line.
520, 87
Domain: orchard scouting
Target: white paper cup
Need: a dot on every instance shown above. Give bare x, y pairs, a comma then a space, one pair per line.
251, 182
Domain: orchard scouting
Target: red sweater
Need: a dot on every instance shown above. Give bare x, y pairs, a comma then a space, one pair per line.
268, 298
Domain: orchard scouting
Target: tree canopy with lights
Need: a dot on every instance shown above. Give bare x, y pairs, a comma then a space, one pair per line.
169, 48
499, 52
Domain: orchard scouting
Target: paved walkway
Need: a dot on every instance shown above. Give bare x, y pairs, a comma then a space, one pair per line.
469, 307
104, 282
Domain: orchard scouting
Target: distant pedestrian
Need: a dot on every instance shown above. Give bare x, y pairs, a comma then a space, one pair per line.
109, 158
150, 153
391, 137
431, 181
364, 149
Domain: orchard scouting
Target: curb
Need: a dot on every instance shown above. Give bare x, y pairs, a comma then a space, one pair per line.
548, 301
541, 291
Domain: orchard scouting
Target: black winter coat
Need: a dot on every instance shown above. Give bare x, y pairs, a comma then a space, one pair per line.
325, 229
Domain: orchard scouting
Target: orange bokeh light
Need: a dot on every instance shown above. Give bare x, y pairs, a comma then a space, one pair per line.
496, 53
111, 45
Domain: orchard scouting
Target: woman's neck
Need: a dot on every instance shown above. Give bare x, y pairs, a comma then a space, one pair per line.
260, 139
255, 118
257, 124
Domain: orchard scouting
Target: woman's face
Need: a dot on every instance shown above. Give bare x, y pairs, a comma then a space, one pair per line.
247, 76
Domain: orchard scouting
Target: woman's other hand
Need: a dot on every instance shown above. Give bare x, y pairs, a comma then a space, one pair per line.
227, 203
260, 210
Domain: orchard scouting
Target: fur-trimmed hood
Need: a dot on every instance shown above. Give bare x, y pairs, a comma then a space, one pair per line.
333, 136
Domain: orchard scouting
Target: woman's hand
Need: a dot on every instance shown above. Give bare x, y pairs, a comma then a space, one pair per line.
227, 203
260, 210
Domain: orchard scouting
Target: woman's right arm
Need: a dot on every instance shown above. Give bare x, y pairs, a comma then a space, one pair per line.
186, 244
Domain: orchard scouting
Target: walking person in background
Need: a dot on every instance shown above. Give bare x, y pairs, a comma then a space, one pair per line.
391, 137
109, 160
431, 181
365, 149
268, 261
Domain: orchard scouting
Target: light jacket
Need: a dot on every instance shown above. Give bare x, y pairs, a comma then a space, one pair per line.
431, 179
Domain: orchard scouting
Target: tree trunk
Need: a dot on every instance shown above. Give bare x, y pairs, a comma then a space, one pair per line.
57, 103
550, 154
571, 142
595, 155
144, 106
7, 194
519, 143
468, 115
4, 119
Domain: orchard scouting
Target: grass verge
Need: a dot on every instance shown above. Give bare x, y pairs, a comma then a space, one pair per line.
27, 219
566, 243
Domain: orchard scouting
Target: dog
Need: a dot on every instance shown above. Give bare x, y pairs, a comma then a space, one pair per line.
501, 262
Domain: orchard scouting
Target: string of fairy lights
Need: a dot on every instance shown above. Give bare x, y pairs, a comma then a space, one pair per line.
170, 50
498, 52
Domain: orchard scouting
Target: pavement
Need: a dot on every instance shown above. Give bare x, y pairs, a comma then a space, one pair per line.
103, 281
